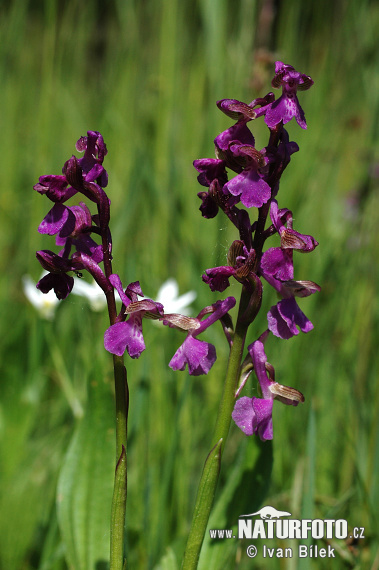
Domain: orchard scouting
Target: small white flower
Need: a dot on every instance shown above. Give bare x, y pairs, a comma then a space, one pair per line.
44, 303
92, 292
168, 296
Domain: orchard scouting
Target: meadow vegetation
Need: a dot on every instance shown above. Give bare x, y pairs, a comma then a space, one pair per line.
147, 75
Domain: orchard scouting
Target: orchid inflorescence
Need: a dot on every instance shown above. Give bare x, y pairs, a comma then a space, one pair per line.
256, 185
76, 231
86, 244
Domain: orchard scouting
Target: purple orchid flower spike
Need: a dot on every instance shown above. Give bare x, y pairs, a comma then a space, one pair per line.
198, 355
127, 334
287, 106
254, 415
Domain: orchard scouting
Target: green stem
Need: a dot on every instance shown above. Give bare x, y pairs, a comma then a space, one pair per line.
120, 483
118, 511
211, 470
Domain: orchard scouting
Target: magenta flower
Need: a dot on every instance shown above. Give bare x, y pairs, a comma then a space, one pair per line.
58, 189
241, 263
91, 163
249, 185
127, 334
243, 112
74, 226
57, 278
289, 238
284, 317
75, 232
212, 174
254, 415
277, 268
237, 134
287, 106
198, 355
236, 146
210, 169
55, 187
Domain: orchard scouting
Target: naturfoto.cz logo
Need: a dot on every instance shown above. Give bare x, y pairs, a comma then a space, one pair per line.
273, 523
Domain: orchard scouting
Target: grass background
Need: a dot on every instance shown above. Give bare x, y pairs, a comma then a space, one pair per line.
147, 75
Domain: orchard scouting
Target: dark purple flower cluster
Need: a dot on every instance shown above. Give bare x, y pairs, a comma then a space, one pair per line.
85, 242
73, 225
75, 228
256, 185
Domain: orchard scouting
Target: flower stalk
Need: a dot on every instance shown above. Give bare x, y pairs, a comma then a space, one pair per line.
211, 470
255, 185
120, 482
73, 226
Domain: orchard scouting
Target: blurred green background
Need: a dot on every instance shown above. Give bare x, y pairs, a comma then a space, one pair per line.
147, 74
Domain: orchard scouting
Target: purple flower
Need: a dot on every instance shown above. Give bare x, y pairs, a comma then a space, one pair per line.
55, 219
218, 277
55, 187
287, 106
241, 262
127, 335
284, 317
76, 232
57, 277
92, 161
254, 415
249, 185
238, 134
198, 355
243, 112
277, 268
210, 169
61, 283
72, 224
237, 110
289, 238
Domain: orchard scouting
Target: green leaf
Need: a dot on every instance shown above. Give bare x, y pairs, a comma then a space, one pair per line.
204, 501
86, 483
244, 491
